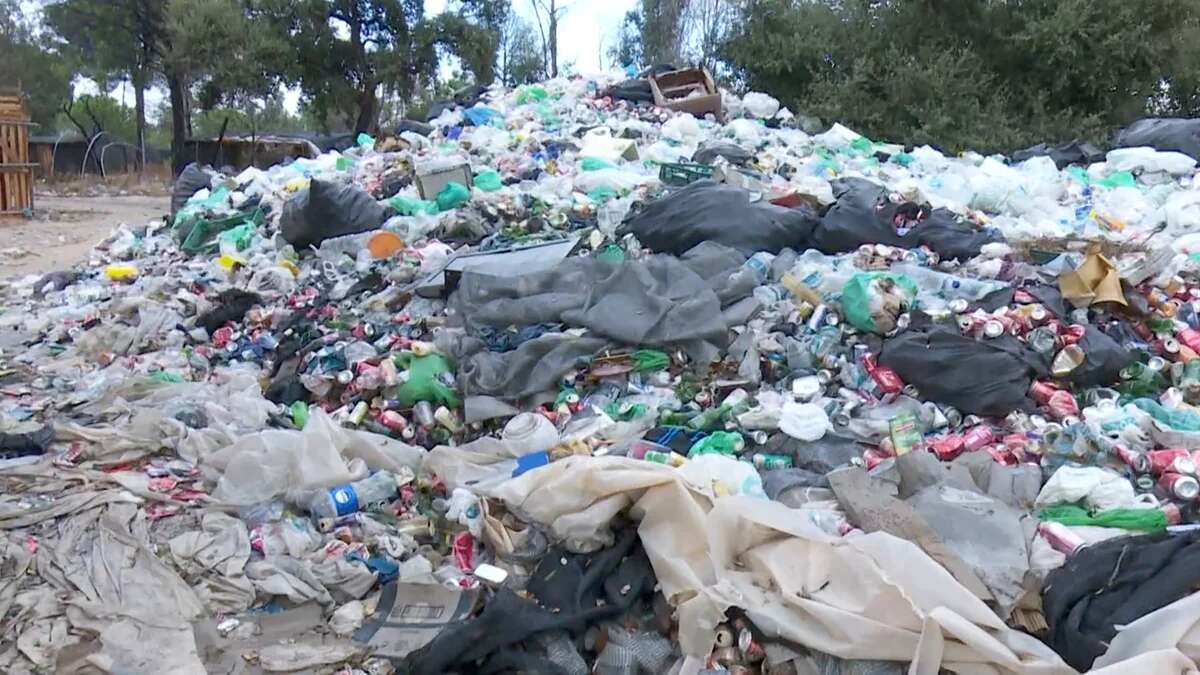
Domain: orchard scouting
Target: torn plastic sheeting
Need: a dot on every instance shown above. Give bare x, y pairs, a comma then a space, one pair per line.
657, 301
1165, 133
140, 608
1064, 155
535, 367
863, 214
287, 463
708, 211
326, 210
1113, 583
985, 377
820, 586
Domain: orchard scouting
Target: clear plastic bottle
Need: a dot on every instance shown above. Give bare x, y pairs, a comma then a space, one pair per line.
342, 500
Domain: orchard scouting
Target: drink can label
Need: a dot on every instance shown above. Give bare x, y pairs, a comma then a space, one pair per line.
344, 500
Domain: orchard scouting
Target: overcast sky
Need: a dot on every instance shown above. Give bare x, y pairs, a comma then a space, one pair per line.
587, 30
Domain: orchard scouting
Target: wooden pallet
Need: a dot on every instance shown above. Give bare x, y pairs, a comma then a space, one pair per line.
16, 171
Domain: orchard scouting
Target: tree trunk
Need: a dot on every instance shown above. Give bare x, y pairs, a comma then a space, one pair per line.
368, 108
178, 122
553, 38
139, 111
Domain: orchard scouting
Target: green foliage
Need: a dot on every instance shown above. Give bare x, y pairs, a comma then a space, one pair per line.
520, 58
984, 74
628, 50
89, 114
43, 76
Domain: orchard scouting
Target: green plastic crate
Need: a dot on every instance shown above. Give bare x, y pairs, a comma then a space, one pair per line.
679, 175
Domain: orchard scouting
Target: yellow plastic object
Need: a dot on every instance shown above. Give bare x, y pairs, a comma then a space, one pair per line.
384, 245
290, 266
228, 262
121, 272
296, 184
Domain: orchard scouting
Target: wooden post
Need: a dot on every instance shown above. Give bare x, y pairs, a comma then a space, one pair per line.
16, 171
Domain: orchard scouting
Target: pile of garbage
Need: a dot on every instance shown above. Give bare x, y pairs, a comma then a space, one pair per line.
568, 379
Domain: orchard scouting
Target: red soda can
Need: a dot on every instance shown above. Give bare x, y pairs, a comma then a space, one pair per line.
978, 436
1001, 455
1179, 486
222, 336
1191, 338
393, 420
886, 378
1171, 460
1023, 297
1172, 512
1042, 391
873, 457
1062, 405
1060, 537
1017, 445
1138, 461
1073, 333
947, 447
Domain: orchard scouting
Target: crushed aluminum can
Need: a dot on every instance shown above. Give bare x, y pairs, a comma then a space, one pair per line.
993, 329
1179, 486
959, 305
227, 626
1173, 460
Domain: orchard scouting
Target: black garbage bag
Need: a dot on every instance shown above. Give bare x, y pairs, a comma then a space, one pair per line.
710, 211
415, 126
1105, 358
1113, 583
25, 440
1162, 133
231, 305
1075, 152
326, 210
193, 179
734, 154
571, 592
864, 215
989, 377
637, 91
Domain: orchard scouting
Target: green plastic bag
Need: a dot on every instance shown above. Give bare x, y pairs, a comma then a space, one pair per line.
452, 196
411, 206
1179, 420
531, 93
718, 442
612, 253
602, 194
863, 145
1118, 179
423, 383
365, 141
595, 164
650, 359
1147, 520
299, 412
863, 291
488, 180
240, 236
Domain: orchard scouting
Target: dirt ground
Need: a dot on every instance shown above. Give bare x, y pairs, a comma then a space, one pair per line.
64, 229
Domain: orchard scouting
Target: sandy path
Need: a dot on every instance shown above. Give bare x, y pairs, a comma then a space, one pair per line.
66, 228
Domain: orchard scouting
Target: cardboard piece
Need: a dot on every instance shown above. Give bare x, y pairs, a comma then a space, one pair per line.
433, 176
1096, 280
410, 615
690, 90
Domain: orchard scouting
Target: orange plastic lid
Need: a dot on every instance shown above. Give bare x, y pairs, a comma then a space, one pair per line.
384, 245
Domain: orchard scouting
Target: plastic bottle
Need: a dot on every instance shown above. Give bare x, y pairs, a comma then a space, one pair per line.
947, 286
348, 498
530, 432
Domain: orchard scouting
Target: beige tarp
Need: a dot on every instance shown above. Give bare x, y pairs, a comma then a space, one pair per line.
872, 596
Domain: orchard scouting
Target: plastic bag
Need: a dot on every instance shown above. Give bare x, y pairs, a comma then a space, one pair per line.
760, 105
872, 301
488, 180
1179, 135
328, 210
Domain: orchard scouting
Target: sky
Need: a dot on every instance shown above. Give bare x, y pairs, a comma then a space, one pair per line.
587, 30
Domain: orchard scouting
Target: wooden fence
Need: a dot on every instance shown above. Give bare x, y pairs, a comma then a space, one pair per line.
16, 171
